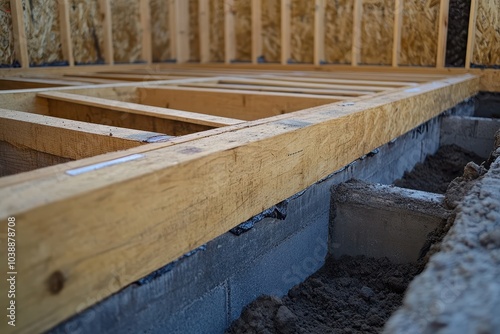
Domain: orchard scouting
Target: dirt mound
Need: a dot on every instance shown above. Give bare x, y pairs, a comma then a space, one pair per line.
438, 170
349, 295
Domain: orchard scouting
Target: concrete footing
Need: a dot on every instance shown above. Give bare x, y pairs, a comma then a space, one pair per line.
382, 221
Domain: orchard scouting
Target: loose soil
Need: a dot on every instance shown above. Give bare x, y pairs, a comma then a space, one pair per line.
438, 170
349, 295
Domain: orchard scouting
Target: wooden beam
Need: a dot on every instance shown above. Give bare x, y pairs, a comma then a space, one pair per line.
66, 42
145, 15
229, 32
285, 82
27, 83
443, 33
169, 201
139, 109
241, 104
256, 30
20, 159
107, 24
20, 41
347, 82
204, 23
179, 30
172, 23
319, 32
471, 36
67, 138
332, 93
356, 32
286, 30
398, 25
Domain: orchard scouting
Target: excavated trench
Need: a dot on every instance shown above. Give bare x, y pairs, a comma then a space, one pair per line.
357, 293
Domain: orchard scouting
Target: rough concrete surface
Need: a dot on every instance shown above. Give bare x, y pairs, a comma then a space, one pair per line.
382, 221
459, 291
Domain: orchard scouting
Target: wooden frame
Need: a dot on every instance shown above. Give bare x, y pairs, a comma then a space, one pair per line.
162, 183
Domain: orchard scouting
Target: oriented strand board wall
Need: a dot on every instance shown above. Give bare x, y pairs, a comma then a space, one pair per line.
6, 34
217, 30
302, 31
243, 29
86, 31
377, 29
160, 30
487, 42
271, 30
419, 32
194, 31
41, 21
338, 31
126, 20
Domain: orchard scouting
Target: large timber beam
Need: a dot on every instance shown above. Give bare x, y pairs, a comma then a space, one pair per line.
151, 209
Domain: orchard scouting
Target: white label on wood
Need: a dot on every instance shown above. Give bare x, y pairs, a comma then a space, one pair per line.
86, 169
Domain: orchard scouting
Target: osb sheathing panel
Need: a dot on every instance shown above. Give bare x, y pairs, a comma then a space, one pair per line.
377, 29
126, 21
338, 31
217, 30
86, 31
302, 30
419, 33
194, 31
6, 34
243, 29
487, 42
271, 30
41, 21
160, 30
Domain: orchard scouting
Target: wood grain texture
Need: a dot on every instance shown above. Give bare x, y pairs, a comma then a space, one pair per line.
19, 159
65, 138
176, 198
239, 104
139, 109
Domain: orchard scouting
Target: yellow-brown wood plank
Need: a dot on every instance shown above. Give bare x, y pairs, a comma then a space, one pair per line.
67, 44
240, 104
398, 26
187, 194
356, 32
204, 25
443, 33
471, 36
67, 138
20, 41
139, 109
105, 8
319, 32
256, 30
145, 14
229, 32
286, 30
